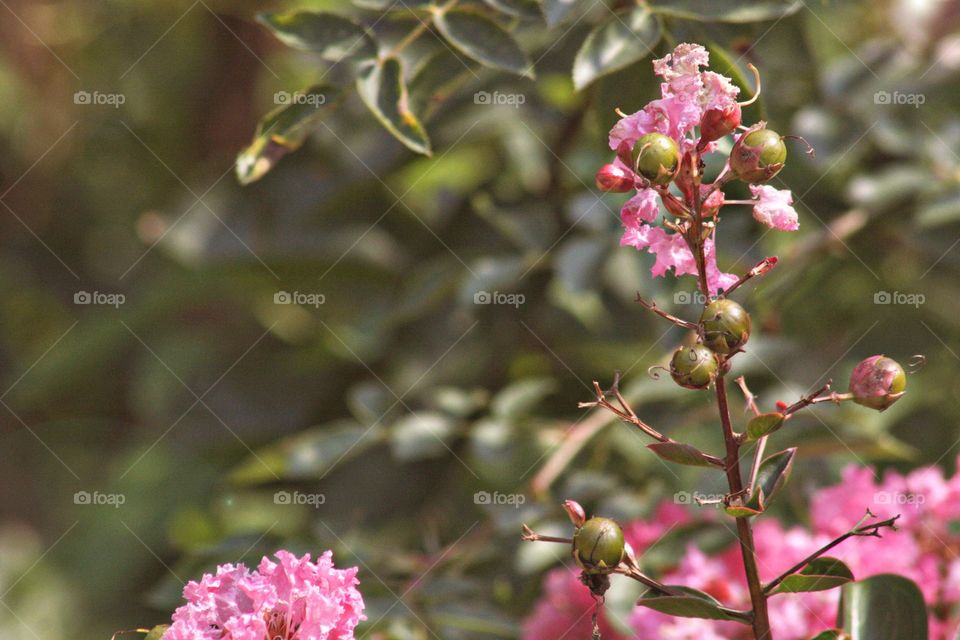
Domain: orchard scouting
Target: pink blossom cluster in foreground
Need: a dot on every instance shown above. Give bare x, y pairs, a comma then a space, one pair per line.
924, 549
687, 94
290, 599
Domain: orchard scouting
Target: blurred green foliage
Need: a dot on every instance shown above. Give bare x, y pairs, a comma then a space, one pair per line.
400, 399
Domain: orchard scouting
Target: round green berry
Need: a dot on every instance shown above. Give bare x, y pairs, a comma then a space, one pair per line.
656, 157
598, 545
758, 155
694, 367
725, 325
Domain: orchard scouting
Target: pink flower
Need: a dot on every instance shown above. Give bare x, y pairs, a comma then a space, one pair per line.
564, 612
774, 208
291, 599
644, 206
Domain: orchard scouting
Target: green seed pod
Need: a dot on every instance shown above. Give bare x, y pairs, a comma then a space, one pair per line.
878, 382
758, 155
598, 545
726, 326
656, 157
694, 367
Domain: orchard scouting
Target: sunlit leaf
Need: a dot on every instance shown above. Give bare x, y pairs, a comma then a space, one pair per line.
819, 575
518, 8
773, 474
328, 34
764, 424
382, 89
884, 607
692, 604
157, 632
680, 453
627, 36
425, 434
735, 11
556, 11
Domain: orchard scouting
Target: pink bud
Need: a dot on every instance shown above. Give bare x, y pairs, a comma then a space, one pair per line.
717, 123
781, 405
764, 266
576, 513
610, 177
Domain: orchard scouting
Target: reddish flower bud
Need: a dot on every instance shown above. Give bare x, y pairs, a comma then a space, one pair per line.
610, 177
717, 123
781, 405
764, 266
877, 382
576, 513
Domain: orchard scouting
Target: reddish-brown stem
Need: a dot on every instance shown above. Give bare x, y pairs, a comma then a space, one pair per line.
652, 306
761, 618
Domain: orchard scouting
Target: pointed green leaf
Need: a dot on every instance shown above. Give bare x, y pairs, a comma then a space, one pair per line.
333, 37
821, 574
733, 11
556, 11
518, 8
680, 453
884, 607
482, 39
764, 424
382, 89
832, 634
157, 632
692, 604
773, 474
740, 511
622, 39
282, 131
417, 436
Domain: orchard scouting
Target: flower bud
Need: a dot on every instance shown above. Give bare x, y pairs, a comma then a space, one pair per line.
598, 545
717, 123
725, 325
575, 512
758, 155
655, 157
694, 367
610, 177
877, 382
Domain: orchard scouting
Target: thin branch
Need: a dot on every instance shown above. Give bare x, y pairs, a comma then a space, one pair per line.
759, 269
529, 535
823, 394
748, 396
652, 306
859, 530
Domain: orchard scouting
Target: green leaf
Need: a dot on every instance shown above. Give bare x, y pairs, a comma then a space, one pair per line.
680, 453
626, 37
482, 39
764, 424
821, 574
740, 511
157, 632
333, 37
693, 604
556, 11
773, 474
282, 131
309, 454
520, 398
735, 11
421, 435
382, 89
884, 607
832, 634
518, 8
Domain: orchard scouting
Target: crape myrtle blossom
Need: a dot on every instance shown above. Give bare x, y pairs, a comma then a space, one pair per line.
924, 549
690, 97
290, 599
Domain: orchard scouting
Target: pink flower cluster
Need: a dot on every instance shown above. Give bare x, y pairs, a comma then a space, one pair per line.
290, 599
924, 549
687, 95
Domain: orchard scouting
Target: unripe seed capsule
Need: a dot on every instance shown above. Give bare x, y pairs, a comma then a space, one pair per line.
598, 545
694, 367
877, 382
758, 155
726, 326
656, 157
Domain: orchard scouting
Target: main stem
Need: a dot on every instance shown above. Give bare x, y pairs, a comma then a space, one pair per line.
758, 600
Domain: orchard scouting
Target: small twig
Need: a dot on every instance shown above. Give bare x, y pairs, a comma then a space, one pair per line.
652, 306
759, 269
529, 535
823, 394
858, 530
751, 399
